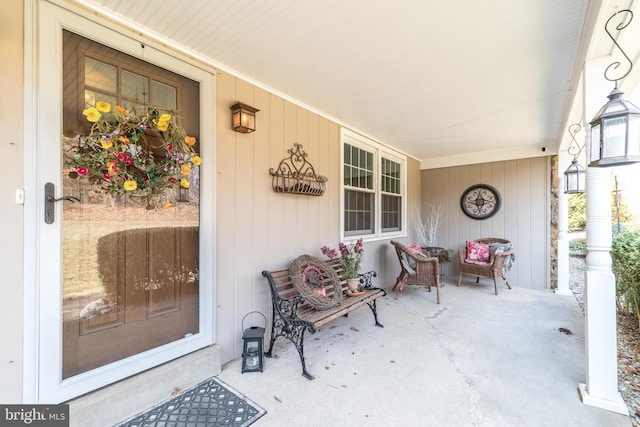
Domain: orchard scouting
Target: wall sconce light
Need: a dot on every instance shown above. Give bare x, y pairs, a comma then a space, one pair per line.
243, 117
615, 130
574, 176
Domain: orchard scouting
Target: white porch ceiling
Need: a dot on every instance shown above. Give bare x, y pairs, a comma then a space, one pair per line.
447, 83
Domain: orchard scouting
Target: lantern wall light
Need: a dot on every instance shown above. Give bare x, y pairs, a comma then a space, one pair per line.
243, 117
615, 129
574, 176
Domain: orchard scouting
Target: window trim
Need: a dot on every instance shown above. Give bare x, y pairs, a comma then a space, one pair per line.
379, 151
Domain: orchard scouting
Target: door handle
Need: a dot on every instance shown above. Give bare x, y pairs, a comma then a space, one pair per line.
50, 200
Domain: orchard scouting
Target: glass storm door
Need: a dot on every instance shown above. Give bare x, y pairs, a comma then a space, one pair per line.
130, 272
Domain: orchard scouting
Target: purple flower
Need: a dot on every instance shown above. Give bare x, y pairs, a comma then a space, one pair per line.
349, 259
329, 253
358, 247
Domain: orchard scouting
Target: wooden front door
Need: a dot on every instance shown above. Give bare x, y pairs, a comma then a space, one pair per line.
130, 274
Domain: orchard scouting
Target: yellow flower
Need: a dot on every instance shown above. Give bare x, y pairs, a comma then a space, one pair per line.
168, 205
130, 185
93, 115
106, 143
184, 183
185, 169
164, 117
163, 125
103, 107
196, 160
124, 139
189, 140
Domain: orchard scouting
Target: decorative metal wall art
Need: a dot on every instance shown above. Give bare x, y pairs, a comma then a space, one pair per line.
296, 175
480, 201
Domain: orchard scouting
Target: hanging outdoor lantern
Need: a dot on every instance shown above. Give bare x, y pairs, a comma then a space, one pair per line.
574, 176
615, 130
252, 345
243, 117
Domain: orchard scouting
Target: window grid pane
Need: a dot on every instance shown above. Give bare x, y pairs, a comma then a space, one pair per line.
391, 213
358, 212
358, 167
135, 87
163, 95
390, 176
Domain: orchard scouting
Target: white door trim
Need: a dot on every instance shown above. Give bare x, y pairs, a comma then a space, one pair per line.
43, 102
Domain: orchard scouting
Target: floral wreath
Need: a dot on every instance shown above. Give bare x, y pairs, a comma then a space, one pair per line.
142, 151
324, 290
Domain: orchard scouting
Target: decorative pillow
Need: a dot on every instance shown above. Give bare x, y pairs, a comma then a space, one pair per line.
477, 252
416, 250
316, 281
496, 248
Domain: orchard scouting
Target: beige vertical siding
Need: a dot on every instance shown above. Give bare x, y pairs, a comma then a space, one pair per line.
523, 217
258, 229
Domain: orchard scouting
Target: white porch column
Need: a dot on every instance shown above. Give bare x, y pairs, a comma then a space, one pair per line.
563, 236
601, 388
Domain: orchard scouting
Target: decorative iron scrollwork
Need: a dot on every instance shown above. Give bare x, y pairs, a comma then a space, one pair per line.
480, 201
296, 175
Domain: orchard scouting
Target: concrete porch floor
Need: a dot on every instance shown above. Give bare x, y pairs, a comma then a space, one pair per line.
475, 360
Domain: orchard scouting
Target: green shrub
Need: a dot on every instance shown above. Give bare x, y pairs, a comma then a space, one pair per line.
577, 211
578, 245
625, 254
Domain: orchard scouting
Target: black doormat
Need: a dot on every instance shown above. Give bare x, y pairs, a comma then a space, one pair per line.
211, 403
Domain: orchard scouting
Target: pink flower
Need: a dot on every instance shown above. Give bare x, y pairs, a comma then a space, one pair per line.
328, 252
82, 171
106, 176
344, 250
358, 247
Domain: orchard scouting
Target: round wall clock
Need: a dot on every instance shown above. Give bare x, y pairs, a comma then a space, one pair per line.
480, 201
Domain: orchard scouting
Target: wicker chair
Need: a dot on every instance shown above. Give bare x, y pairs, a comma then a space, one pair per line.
492, 269
426, 272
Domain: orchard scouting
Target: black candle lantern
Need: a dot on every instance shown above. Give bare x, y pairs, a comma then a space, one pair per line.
252, 339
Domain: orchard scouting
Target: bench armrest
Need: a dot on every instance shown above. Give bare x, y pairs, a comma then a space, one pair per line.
365, 279
288, 307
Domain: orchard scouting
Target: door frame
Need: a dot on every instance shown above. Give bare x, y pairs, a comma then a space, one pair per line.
44, 22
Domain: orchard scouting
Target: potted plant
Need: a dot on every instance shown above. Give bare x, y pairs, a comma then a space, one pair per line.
349, 258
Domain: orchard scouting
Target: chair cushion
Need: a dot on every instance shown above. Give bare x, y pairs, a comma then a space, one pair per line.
477, 252
483, 263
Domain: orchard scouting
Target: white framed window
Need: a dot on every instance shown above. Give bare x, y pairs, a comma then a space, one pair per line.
373, 188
